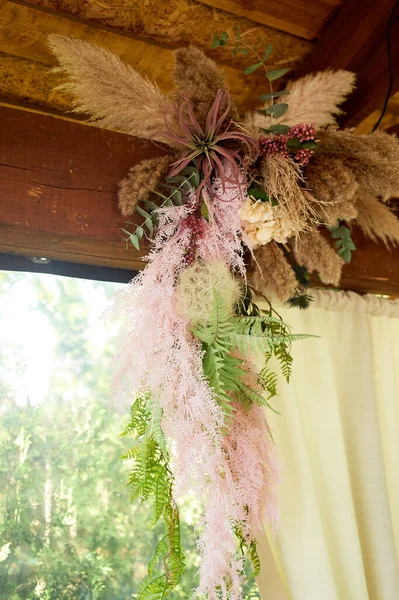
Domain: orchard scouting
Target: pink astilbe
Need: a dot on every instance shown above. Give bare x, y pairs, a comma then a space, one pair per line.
232, 475
222, 239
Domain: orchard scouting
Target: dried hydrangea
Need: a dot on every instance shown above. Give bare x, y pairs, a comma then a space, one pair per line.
264, 222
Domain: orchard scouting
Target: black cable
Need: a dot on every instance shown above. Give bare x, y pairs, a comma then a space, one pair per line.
391, 23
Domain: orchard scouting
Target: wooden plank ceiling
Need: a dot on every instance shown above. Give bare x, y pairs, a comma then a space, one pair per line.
306, 36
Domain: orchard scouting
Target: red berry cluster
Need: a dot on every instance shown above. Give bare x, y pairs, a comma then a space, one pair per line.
303, 131
196, 224
274, 145
279, 144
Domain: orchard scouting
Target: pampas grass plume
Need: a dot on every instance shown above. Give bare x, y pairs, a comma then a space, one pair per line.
198, 79
110, 91
140, 181
314, 98
195, 290
376, 220
313, 252
272, 274
282, 181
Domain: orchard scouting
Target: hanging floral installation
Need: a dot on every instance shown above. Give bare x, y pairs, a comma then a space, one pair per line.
233, 211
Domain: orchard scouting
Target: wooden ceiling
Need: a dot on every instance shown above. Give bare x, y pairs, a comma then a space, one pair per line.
59, 177
306, 35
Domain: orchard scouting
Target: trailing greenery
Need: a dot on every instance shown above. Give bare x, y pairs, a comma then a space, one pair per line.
344, 244
227, 337
175, 187
150, 477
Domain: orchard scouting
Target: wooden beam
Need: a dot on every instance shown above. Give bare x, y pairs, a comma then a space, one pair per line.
356, 41
58, 199
26, 58
299, 17
58, 189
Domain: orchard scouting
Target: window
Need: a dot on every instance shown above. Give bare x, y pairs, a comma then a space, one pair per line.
67, 528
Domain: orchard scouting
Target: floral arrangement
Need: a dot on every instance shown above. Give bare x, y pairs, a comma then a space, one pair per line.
233, 210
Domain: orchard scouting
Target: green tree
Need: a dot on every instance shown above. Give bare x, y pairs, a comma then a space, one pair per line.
67, 528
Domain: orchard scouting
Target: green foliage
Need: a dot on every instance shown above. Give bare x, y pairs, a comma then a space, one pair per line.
276, 74
241, 47
301, 300
60, 448
224, 335
344, 244
273, 95
150, 477
277, 129
258, 193
275, 110
187, 180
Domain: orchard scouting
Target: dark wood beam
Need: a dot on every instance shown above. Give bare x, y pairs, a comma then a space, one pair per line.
355, 40
58, 199
299, 17
58, 189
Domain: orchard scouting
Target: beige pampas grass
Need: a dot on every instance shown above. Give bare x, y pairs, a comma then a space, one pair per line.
376, 220
140, 181
198, 79
112, 92
314, 98
282, 179
313, 252
273, 274
332, 182
373, 159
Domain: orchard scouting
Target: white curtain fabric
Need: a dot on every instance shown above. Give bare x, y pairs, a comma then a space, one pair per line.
338, 440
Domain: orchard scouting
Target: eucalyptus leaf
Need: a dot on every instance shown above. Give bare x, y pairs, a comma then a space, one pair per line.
278, 128
276, 74
275, 110
310, 145
216, 41
150, 205
134, 240
269, 50
267, 97
139, 232
244, 51
252, 68
143, 213
177, 197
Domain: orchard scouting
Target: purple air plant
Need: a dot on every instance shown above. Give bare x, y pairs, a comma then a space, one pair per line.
205, 146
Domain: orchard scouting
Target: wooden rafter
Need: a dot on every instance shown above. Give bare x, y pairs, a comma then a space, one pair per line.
302, 18
58, 198
25, 58
356, 40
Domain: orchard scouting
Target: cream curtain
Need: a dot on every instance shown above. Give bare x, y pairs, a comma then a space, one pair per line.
338, 439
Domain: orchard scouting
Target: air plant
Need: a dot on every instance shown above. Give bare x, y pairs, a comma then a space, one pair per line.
206, 147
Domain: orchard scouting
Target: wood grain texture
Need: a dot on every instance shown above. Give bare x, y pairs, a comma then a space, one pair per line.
355, 40
299, 17
24, 29
58, 186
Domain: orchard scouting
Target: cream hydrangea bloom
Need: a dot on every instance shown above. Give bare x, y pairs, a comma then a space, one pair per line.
264, 222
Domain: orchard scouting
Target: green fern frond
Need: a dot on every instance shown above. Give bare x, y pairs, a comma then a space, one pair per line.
150, 477
254, 558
